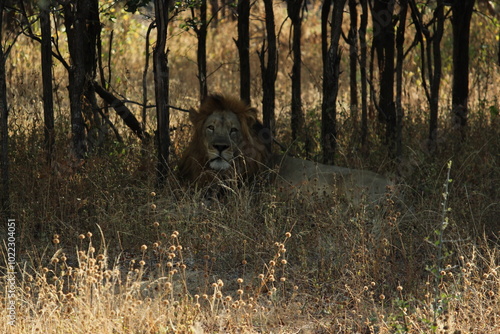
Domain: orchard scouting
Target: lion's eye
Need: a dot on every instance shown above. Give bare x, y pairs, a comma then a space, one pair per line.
211, 128
233, 131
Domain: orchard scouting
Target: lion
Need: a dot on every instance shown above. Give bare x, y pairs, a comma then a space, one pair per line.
229, 143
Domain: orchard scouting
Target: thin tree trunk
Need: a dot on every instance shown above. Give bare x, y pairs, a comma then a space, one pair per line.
331, 72
330, 149
400, 38
383, 41
353, 60
4, 127
201, 33
297, 117
161, 78
269, 69
243, 44
96, 134
461, 17
362, 68
104, 110
215, 11
145, 79
48, 100
436, 75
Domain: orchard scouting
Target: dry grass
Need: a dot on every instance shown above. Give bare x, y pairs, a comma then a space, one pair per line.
165, 261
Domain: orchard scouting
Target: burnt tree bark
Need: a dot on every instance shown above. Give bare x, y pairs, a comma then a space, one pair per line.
362, 69
201, 53
268, 56
75, 27
81, 19
435, 76
331, 72
4, 125
383, 43
460, 21
243, 44
96, 132
161, 78
295, 8
48, 100
145, 77
352, 39
400, 38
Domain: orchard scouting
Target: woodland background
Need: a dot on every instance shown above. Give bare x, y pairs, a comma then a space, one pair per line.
92, 101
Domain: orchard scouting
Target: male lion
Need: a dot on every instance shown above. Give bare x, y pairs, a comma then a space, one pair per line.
225, 143
228, 143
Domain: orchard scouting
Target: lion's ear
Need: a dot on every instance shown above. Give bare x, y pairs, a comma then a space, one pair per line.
194, 115
251, 116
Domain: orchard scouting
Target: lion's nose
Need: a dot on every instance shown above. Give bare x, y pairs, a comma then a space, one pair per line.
221, 147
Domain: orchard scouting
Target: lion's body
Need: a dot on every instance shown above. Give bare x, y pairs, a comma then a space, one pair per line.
309, 178
226, 146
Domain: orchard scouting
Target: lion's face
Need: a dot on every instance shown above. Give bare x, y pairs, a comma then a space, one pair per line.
222, 139
224, 144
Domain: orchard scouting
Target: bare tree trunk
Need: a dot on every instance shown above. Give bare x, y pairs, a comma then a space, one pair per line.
75, 22
383, 41
461, 17
201, 53
331, 72
362, 68
269, 70
243, 44
81, 19
104, 110
400, 38
4, 125
214, 4
161, 77
48, 100
295, 8
352, 38
96, 134
436, 75
145, 78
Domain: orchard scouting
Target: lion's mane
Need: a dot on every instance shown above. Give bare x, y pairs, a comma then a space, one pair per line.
253, 154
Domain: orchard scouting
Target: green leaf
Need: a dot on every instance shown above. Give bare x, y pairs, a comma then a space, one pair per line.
494, 111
